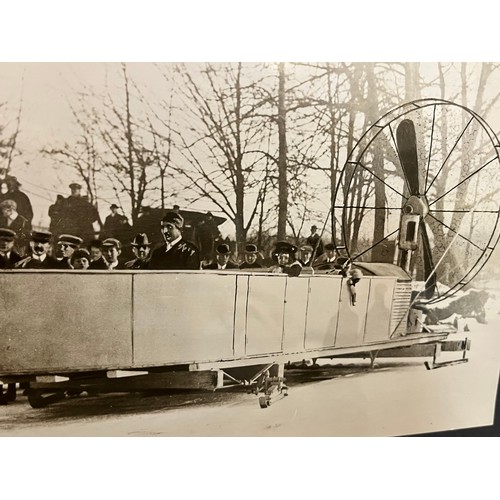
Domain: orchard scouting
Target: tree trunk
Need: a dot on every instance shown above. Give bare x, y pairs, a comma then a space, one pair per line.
282, 163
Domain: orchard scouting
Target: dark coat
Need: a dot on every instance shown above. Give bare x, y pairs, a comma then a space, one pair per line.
98, 264
9, 263
246, 265
213, 265
137, 264
314, 239
183, 255
30, 263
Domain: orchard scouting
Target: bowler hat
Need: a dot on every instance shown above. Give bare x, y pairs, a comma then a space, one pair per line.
41, 236
7, 234
223, 249
141, 240
329, 246
112, 242
70, 240
114, 205
173, 218
251, 248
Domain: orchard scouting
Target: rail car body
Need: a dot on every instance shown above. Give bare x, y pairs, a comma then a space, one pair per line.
59, 327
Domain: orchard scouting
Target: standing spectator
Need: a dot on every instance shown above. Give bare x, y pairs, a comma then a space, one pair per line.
39, 257
222, 259
251, 254
207, 234
141, 248
176, 253
315, 242
67, 244
8, 256
75, 215
11, 219
23, 202
96, 258
114, 223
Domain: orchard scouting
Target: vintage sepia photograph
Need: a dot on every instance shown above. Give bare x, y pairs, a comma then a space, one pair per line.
256, 249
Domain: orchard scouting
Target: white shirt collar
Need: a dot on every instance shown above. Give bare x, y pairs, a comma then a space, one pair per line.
173, 242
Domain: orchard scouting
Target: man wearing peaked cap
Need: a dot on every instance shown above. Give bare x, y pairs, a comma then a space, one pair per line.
67, 244
8, 256
306, 252
111, 250
222, 256
141, 248
176, 253
39, 257
284, 254
328, 259
251, 254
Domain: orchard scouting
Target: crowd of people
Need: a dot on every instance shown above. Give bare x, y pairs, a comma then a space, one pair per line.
73, 242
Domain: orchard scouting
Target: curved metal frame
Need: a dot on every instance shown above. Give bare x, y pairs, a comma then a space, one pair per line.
358, 152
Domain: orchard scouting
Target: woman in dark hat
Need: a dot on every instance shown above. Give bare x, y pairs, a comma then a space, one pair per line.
285, 254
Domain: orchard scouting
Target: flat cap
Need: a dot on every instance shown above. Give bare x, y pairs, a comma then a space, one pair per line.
306, 248
251, 248
69, 239
81, 253
7, 234
112, 242
223, 248
41, 236
173, 218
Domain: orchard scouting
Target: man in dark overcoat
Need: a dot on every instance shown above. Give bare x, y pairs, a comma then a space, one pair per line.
176, 253
39, 257
8, 256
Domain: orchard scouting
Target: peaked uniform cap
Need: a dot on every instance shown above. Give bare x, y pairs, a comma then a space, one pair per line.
41, 236
70, 239
141, 240
112, 242
7, 234
223, 249
76, 185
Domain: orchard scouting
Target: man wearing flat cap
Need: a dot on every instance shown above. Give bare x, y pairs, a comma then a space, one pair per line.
284, 254
67, 244
141, 248
176, 253
222, 259
327, 260
39, 257
8, 256
306, 252
111, 250
251, 255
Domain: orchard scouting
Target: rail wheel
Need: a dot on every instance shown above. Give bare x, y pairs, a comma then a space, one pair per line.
41, 399
421, 189
9, 395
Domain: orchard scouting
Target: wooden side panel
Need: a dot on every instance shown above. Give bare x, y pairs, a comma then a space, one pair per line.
240, 316
189, 317
378, 317
352, 318
64, 321
297, 290
322, 311
265, 308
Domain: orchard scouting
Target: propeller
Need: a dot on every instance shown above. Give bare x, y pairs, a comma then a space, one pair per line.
406, 140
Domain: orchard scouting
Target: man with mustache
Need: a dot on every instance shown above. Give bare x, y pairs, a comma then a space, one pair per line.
39, 257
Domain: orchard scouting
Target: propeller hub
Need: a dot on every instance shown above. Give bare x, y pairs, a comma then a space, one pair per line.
416, 205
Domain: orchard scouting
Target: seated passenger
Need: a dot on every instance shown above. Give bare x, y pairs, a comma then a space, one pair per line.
284, 254
176, 253
80, 259
39, 257
8, 256
141, 248
96, 258
327, 260
222, 256
305, 255
111, 249
251, 254
67, 244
